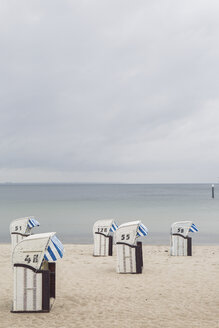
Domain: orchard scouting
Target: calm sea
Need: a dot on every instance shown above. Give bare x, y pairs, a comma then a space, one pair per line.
71, 209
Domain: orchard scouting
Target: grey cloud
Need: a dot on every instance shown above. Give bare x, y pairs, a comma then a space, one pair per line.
110, 86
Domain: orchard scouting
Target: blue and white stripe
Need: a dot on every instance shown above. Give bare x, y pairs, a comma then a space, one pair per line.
142, 230
55, 250
114, 227
33, 223
193, 228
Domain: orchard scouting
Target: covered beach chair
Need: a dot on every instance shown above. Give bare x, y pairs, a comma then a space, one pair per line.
103, 239
129, 250
34, 271
21, 228
181, 243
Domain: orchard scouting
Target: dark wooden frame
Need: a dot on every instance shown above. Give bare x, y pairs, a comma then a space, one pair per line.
21, 234
189, 246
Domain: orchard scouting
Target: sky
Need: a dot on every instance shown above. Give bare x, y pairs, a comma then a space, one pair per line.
109, 91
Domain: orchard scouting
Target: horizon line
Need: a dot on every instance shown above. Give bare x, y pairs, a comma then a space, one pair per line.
125, 183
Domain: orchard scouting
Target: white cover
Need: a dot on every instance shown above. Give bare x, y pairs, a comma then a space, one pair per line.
127, 232
31, 250
20, 229
103, 226
181, 227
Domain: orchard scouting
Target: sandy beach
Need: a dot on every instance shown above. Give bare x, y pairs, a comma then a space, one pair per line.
171, 292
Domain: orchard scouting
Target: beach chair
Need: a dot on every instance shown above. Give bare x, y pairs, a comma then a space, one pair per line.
103, 239
34, 271
129, 250
21, 228
181, 243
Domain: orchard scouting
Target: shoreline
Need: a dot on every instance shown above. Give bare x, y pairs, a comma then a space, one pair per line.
143, 243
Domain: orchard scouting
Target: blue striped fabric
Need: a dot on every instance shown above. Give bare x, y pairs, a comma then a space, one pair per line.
114, 227
58, 245
193, 228
142, 230
46, 258
54, 250
51, 253
33, 223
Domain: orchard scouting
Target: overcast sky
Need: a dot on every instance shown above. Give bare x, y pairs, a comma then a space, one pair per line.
109, 91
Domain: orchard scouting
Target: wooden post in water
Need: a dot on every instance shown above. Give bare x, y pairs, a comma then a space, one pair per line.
212, 191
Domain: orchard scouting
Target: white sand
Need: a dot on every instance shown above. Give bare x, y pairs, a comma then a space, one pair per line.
171, 292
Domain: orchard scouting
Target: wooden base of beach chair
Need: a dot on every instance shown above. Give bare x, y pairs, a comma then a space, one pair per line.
33, 290
103, 245
129, 258
180, 245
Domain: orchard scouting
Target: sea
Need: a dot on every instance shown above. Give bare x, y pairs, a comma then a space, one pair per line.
71, 209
